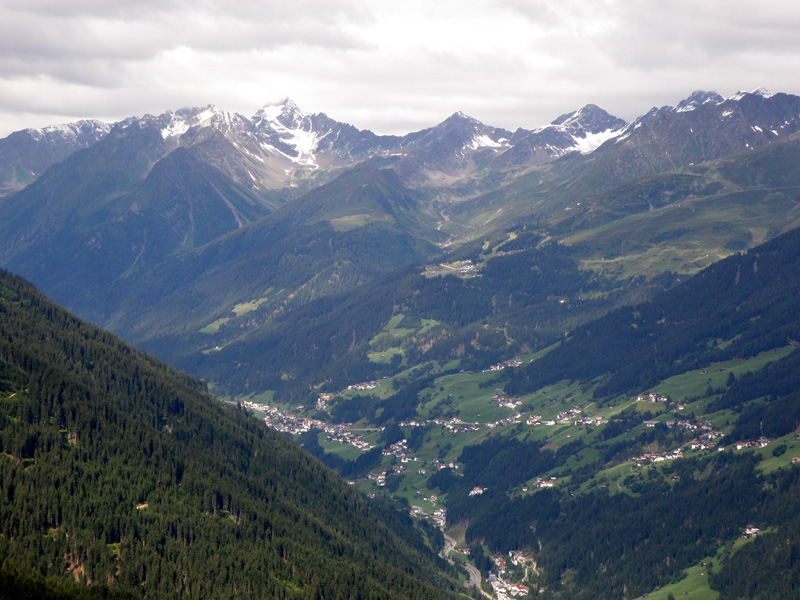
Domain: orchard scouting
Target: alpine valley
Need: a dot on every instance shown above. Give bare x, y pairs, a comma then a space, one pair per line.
568, 352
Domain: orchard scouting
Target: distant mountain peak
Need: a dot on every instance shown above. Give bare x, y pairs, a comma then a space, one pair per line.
460, 118
284, 112
69, 130
763, 92
175, 124
589, 127
590, 118
698, 98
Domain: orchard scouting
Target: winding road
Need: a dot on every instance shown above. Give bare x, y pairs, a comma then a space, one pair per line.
474, 574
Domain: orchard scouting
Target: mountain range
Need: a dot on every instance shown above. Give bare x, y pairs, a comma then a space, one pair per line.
203, 220
496, 306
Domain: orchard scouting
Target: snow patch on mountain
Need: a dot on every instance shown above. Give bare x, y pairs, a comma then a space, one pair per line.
292, 128
181, 121
69, 131
763, 92
175, 129
697, 99
484, 141
592, 141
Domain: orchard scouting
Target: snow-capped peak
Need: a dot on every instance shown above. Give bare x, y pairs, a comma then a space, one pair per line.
589, 127
70, 130
183, 119
285, 112
698, 98
286, 129
591, 119
763, 92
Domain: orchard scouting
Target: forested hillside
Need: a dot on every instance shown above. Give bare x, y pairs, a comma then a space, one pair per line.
639, 455
118, 471
749, 299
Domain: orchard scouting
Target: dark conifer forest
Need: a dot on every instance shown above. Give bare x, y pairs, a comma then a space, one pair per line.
122, 474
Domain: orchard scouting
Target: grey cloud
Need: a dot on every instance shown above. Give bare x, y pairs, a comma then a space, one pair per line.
96, 58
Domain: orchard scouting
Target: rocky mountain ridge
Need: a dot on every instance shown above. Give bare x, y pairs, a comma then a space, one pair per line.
281, 146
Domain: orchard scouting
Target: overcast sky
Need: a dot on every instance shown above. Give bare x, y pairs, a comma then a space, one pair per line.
392, 66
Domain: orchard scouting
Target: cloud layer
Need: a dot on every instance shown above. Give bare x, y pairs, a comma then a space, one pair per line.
391, 67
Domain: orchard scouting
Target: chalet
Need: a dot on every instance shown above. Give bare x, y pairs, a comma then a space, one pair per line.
750, 531
651, 397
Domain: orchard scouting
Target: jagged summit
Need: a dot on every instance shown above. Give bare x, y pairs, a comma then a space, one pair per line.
285, 112
762, 92
282, 147
589, 119
699, 98
175, 124
588, 128
460, 116
67, 130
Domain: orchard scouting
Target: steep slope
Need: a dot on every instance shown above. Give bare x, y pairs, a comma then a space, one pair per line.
703, 127
662, 430
125, 203
620, 248
748, 301
688, 218
26, 154
582, 131
117, 470
337, 237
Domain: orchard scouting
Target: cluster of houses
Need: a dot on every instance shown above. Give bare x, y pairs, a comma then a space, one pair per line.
511, 403
455, 425
467, 267
518, 558
757, 444
439, 515
706, 441
651, 397
439, 465
511, 419
568, 417
513, 362
705, 426
366, 385
400, 451
505, 589
646, 459
750, 531
590, 421
285, 422
541, 483
379, 477
322, 401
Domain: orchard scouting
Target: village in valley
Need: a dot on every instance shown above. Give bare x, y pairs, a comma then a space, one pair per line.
463, 409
